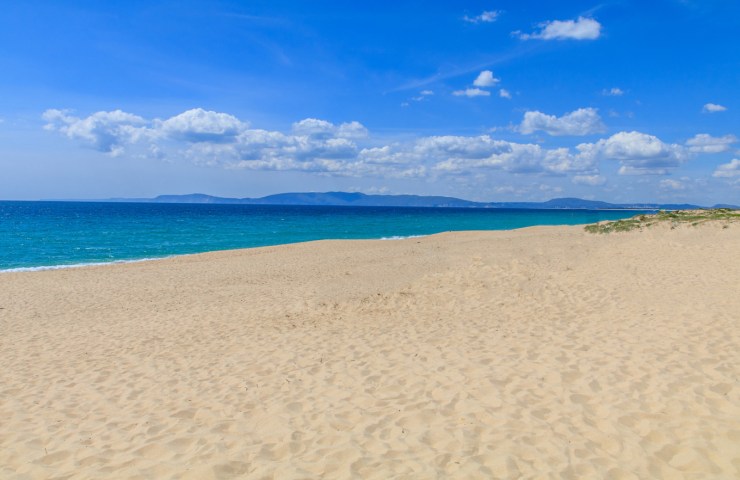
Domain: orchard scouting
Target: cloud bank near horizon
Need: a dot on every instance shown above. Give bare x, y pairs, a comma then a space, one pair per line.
349, 150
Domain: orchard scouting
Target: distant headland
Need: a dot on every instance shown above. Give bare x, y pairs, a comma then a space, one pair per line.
363, 200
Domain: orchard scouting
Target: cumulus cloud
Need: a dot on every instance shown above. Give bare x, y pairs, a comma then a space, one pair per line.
487, 16
385, 155
353, 130
583, 121
321, 129
313, 145
106, 132
198, 125
503, 93
638, 153
459, 146
728, 170
485, 79
713, 108
212, 137
583, 28
457, 154
471, 92
313, 127
346, 149
705, 143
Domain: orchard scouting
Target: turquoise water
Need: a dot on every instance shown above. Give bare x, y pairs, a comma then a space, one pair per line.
54, 234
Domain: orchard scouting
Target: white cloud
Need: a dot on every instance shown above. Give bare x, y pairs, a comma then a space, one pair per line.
452, 146
471, 92
313, 145
713, 108
352, 130
591, 180
485, 79
583, 121
673, 185
456, 154
487, 16
728, 170
198, 125
613, 92
705, 143
321, 129
213, 138
103, 131
631, 145
385, 155
346, 149
562, 161
313, 127
503, 93
583, 28
426, 92
638, 153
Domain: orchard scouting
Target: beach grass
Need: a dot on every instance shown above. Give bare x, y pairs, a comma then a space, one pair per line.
673, 218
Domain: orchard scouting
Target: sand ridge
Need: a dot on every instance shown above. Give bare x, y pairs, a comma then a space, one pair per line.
544, 352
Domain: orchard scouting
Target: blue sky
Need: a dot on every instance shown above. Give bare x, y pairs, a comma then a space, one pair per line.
499, 100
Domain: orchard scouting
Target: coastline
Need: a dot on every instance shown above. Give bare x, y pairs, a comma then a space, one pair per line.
541, 350
37, 236
42, 268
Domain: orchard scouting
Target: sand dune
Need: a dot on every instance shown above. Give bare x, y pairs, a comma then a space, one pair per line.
540, 353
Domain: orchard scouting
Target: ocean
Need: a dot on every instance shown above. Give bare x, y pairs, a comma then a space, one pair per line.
37, 235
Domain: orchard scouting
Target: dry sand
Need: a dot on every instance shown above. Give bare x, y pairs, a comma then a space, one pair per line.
540, 353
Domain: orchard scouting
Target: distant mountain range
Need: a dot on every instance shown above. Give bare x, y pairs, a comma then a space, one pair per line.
363, 200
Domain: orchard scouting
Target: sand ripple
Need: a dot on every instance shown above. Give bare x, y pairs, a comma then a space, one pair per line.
540, 353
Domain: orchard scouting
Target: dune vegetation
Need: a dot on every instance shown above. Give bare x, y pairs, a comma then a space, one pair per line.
725, 216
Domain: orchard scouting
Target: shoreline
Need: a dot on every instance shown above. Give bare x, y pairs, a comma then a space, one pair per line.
37, 238
42, 268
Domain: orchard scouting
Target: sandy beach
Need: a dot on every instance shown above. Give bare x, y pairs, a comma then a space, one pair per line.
545, 352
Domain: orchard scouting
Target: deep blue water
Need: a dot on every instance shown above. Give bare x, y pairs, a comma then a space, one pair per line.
48, 234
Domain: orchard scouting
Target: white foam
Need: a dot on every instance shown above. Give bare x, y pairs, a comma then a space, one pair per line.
79, 265
401, 237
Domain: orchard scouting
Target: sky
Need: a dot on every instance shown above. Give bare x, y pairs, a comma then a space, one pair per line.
622, 101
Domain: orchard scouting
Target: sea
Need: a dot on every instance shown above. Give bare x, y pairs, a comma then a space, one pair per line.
47, 235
